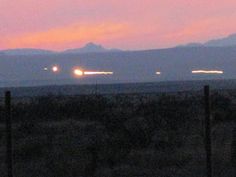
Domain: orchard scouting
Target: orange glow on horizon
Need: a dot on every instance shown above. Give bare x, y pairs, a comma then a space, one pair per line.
59, 37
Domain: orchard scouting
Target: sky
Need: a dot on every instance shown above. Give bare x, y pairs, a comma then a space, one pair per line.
125, 24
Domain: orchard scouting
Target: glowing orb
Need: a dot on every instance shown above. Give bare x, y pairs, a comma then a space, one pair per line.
78, 72
158, 73
55, 69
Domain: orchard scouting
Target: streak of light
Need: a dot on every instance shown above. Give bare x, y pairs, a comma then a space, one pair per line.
158, 73
208, 72
97, 73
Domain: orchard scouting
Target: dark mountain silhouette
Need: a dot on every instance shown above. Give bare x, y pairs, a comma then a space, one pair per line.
227, 41
90, 48
222, 42
193, 44
26, 51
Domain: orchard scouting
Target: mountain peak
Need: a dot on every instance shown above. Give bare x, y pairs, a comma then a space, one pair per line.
93, 46
90, 48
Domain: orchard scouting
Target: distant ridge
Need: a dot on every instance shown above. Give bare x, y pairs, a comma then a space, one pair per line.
26, 51
88, 48
228, 41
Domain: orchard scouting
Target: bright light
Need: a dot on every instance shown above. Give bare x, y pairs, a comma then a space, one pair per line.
97, 73
208, 72
78, 72
45, 69
55, 69
158, 73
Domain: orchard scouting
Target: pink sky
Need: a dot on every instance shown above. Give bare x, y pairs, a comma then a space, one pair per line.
125, 24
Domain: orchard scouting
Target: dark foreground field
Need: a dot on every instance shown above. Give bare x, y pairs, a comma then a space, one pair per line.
119, 88
120, 135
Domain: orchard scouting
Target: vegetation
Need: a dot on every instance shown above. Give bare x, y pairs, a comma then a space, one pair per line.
119, 135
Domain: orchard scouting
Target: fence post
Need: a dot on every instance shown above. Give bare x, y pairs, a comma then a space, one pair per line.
208, 131
233, 150
91, 168
8, 133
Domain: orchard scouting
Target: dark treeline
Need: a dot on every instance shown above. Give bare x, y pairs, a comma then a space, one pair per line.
118, 135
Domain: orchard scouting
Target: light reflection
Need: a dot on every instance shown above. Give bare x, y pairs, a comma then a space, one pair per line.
158, 73
208, 72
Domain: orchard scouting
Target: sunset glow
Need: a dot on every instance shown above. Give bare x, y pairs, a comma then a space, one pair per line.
133, 24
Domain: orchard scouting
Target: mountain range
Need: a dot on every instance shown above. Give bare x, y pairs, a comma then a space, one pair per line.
88, 48
96, 48
33, 67
221, 42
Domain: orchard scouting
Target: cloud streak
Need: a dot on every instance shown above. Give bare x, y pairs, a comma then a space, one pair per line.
57, 38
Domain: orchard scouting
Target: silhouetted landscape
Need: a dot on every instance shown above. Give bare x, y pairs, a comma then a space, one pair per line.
131, 123
118, 88
129, 134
